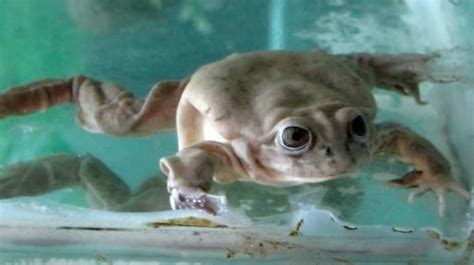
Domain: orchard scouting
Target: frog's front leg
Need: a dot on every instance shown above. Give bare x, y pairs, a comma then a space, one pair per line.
432, 170
191, 172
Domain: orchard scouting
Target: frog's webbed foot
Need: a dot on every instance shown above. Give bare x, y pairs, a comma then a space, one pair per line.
432, 170
193, 198
439, 184
191, 172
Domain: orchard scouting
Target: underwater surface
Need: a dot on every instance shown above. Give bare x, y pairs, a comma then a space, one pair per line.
137, 43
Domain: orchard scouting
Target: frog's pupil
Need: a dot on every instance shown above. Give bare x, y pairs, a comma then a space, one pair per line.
298, 135
295, 137
358, 126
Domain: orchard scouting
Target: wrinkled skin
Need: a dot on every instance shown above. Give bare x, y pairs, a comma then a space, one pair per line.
275, 118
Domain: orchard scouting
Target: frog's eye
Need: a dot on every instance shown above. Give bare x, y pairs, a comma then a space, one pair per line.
294, 138
358, 128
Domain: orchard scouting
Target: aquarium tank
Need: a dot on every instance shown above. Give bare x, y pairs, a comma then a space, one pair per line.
357, 220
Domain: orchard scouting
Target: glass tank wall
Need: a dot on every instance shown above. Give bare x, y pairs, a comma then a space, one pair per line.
137, 43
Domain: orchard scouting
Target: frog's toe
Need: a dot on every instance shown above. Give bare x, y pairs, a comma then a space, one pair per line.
456, 187
441, 196
442, 191
439, 184
410, 180
417, 192
194, 199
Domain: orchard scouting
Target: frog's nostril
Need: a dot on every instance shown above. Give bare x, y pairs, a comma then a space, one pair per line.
329, 152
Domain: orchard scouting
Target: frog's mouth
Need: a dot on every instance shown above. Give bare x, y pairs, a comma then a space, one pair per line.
346, 173
324, 178
290, 172
286, 181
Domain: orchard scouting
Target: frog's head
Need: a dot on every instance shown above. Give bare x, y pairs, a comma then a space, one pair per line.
314, 145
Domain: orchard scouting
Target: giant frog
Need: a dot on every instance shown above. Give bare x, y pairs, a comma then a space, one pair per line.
274, 118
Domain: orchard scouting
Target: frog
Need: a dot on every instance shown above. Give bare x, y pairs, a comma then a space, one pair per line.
274, 118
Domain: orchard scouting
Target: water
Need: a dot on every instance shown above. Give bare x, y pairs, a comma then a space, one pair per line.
136, 44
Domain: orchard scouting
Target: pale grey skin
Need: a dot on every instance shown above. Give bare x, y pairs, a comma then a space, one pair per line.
232, 119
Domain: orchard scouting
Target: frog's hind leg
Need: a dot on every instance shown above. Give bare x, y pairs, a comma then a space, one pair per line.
108, 108
36, 96
402, 73
103, 188
102, 107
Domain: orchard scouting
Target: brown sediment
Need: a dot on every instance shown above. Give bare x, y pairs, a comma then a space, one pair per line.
187, 221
